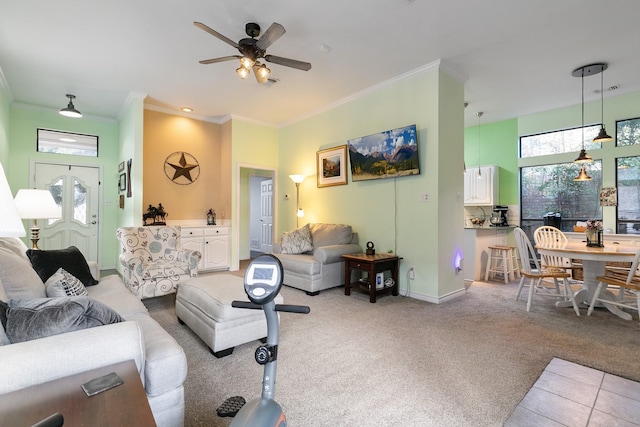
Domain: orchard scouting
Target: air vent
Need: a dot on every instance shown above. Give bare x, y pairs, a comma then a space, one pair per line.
609, 89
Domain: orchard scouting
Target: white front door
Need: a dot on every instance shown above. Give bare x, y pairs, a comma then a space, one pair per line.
266, 215
76, 189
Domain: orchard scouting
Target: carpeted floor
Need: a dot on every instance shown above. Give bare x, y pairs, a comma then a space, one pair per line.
405, 362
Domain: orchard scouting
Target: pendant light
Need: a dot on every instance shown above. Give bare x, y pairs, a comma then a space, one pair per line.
70, 110
478, 115
580, 72
582, 176
602, 136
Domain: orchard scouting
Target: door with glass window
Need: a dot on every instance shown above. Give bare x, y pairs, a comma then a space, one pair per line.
76, 190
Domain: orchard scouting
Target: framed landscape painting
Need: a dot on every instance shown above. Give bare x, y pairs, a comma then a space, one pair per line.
389, 154
332, 166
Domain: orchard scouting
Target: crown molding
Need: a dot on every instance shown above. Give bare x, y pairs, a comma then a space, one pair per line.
438, 64
5, 85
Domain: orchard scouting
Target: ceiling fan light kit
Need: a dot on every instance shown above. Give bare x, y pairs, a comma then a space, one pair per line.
252, 49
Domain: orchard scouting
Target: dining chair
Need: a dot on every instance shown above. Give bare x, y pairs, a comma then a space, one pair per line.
536, 274
624, 280
551, 237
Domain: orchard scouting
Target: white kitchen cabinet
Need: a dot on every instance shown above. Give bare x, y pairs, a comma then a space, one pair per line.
481, 189
213, 244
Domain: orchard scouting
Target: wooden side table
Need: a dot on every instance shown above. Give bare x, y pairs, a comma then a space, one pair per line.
123, 405
372, 264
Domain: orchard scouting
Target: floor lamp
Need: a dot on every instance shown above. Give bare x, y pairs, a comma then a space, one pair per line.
297, 179
36, 204
10, 222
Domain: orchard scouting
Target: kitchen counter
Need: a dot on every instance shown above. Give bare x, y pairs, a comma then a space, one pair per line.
476, 248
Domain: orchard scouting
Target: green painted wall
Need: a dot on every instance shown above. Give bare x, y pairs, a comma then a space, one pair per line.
498, 146
22, 146
390, 212
253, 146
4, 124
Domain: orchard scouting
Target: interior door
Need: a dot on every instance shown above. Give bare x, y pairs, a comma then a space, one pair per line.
76, 190
266, 215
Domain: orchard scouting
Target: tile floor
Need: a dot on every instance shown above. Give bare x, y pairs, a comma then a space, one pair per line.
567, 394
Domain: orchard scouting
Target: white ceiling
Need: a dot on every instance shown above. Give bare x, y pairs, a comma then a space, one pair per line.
517, 56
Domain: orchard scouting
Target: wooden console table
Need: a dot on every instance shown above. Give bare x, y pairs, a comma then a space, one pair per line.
123, 405
372, 264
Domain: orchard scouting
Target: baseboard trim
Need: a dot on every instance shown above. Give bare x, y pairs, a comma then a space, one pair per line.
437, 300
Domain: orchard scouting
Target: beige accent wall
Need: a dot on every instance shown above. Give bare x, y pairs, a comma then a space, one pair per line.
165, 134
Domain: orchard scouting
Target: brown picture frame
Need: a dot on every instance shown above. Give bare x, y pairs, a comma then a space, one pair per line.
332, 166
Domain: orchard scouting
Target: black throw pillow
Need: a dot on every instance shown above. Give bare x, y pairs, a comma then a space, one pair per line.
46, 263
30, 319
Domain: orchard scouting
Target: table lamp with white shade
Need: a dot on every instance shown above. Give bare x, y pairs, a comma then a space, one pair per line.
36, 204
10, 222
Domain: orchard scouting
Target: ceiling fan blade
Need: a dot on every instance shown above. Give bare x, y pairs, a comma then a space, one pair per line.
221, 59
256, 73
304, 66
273, 33
216, 34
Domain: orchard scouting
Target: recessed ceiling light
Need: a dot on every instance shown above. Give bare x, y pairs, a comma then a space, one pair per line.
325, 48
187, 109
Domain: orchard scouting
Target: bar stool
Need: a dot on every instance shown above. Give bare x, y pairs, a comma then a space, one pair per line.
502, 261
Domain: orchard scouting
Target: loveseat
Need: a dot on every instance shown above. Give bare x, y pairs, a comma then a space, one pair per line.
160, 360
153, 260
311, 256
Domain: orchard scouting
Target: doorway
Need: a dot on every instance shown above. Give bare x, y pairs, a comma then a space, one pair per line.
256, 206
76, 189
260, 215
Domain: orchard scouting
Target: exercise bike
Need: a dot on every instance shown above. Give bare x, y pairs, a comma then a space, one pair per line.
262, 283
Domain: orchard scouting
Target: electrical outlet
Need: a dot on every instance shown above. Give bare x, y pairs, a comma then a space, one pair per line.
412, 273
424, 197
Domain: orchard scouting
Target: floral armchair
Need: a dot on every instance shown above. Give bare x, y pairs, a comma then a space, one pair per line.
153, 260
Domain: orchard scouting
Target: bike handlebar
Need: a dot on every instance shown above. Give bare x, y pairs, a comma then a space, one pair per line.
302, 309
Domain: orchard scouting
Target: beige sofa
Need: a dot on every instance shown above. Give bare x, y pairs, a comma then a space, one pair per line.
322, 266
160, 360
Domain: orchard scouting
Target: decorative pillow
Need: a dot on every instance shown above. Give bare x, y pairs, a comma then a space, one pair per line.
46, 263
18, 278
297, 241
64, 284
30, 319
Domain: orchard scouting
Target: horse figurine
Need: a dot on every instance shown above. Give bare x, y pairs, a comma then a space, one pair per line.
155, 215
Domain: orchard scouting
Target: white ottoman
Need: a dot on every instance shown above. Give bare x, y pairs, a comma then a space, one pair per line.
204, 305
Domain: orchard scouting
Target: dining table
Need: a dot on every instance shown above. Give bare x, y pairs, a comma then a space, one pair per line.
594, 261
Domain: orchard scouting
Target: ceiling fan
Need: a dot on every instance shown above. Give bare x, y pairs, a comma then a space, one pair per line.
252, 50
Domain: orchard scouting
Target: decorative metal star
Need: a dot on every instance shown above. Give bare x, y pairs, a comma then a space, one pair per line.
182, 169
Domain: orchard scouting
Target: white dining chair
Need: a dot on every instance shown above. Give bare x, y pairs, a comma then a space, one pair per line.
548, 236
536, 274
627, 280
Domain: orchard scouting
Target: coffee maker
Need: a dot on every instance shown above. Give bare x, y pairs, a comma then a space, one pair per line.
499, 216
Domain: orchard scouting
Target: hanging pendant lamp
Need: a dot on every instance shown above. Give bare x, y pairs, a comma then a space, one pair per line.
478, 115
584, 157
602, 135
70, 110
582, 176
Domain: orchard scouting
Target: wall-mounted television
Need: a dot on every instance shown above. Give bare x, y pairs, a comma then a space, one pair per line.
387, 154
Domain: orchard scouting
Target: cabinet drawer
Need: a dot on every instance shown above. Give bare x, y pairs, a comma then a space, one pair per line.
216, 231
192, 232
